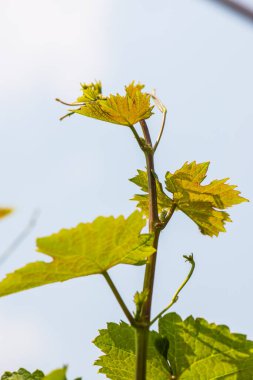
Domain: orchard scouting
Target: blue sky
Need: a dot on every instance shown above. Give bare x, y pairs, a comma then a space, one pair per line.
199, 58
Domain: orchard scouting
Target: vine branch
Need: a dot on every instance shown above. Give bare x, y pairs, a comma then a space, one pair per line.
153, 220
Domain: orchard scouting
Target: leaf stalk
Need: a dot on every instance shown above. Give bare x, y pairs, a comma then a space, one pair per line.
137, 137
119, 298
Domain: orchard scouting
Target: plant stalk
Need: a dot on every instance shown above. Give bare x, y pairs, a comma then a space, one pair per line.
153, 221
141, 352
142, 331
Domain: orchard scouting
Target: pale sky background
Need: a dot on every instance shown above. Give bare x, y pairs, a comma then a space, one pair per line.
199, 57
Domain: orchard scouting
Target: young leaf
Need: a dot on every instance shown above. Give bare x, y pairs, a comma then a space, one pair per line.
91, 92
124, 110
163, 201
199, 350
23, 374
202, 203
90, 248
4, 212
192, 172
118, 363
57, 374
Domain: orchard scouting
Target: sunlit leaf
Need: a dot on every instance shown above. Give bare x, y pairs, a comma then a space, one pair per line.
185, 350
57, 374
118, 344
91, 92
23, 374
90, 248
124, 110
202, 203
191, 172
205, 351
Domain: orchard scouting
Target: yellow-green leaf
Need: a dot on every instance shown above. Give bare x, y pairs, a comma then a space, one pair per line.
4, 212
202, 203
91, 92
119, 360
206, 351
57, 374
23, 374
191, 172
190, 349
90, 248
163, 201
127, 110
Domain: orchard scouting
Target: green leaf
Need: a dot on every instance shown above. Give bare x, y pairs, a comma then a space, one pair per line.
188, 179
163, 201
117, 109
185, 350
90, 248
205, 351
192, 172
4, 212
23, 374
202, 203
139, 299
118, 363
57, 374
91, 92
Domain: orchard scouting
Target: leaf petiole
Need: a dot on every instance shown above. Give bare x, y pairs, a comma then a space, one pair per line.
119, 298
137, 137
168, 216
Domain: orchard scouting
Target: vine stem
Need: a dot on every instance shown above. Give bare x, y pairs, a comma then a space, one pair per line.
119, 298
175, 297
141, 338
143, 331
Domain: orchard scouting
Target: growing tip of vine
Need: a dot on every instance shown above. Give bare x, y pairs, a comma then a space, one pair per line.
189, 258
